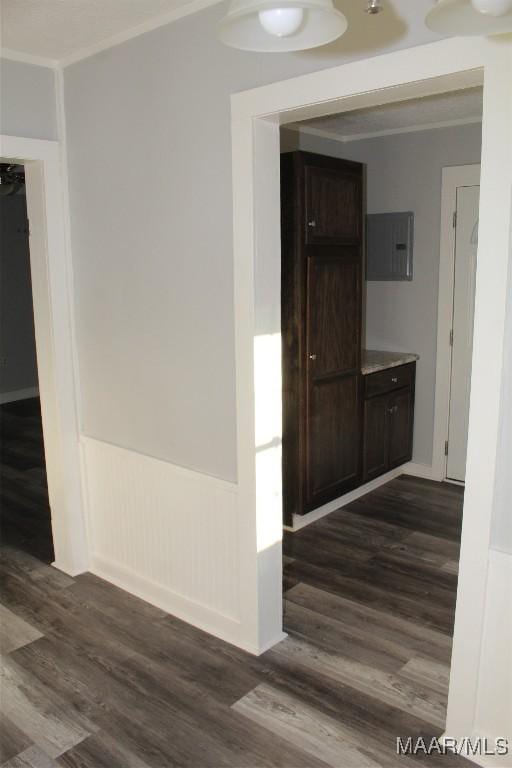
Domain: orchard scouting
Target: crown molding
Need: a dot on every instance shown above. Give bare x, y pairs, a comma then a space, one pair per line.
322, 134
147, 26
110, 42
28, 58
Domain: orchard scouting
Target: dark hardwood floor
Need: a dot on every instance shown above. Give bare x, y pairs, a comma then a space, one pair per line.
24, 509
93, 677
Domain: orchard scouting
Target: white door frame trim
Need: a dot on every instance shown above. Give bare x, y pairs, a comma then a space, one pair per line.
256, 115
53, 320
452, 177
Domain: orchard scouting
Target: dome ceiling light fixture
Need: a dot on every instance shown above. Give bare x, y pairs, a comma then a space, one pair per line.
281, 25
470, 17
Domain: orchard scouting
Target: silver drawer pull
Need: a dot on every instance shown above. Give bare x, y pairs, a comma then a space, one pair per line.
394, 380
312, 357
312, 223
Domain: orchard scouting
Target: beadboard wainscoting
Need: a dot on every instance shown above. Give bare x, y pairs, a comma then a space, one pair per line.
166, 534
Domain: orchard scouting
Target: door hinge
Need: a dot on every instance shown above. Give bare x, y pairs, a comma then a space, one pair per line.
446, 447
454, 219
451, 337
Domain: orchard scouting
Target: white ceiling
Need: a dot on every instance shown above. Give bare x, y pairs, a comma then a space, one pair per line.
57, 29
46, 31
452, 108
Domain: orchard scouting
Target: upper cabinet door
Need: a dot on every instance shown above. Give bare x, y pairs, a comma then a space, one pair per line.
333, 205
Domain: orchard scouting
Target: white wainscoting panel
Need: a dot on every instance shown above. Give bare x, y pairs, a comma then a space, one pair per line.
166, 534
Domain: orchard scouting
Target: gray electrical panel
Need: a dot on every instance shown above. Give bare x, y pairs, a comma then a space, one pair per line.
389, 246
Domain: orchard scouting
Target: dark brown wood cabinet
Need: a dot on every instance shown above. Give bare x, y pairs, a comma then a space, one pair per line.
321, 285
333, 213
375, 440
388, 419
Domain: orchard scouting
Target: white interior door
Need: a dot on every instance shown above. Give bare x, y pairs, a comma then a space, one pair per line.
466, 240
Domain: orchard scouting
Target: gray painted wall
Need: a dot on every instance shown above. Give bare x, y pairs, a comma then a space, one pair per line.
404, 174
28, 109
150, 190
27, 100
18, 367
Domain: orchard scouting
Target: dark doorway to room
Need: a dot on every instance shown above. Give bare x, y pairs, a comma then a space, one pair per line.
25, 521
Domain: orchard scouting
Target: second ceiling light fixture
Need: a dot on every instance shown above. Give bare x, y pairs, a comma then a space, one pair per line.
296, 25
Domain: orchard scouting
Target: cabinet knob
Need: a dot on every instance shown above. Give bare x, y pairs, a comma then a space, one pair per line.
394, 380
312, 223
312, 357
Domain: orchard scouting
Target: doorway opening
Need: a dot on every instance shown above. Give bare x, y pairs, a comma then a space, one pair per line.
368, 524
52, 298
461, 340
25, 519
457, 276
368, 285
440, 67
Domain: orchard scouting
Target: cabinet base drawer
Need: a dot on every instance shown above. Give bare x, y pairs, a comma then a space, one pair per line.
386, 381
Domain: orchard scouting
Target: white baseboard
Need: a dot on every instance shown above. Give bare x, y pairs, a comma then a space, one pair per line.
300, 521
18, 394
183, 608
267, 646
418, 470
428, 472
67, 569
411, 468
200, 616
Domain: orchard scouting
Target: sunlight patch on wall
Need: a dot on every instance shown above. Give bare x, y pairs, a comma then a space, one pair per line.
268, 433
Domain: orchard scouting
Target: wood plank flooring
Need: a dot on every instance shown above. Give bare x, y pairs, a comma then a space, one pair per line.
93, 677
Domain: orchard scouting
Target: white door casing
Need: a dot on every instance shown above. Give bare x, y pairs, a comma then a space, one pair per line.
53, 321
447, 65
466, 241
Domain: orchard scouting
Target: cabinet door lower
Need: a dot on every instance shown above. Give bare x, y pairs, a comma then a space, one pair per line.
400, 427
333, 439
375, 445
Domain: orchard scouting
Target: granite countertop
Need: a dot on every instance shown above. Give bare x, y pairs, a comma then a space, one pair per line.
374, 360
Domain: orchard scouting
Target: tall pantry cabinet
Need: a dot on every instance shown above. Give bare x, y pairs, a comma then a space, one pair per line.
321, 284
